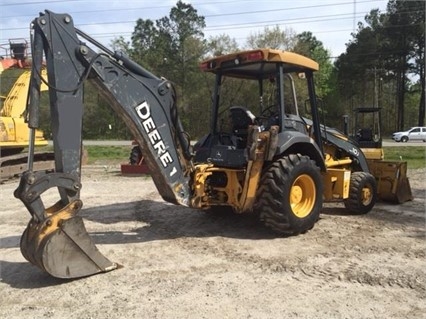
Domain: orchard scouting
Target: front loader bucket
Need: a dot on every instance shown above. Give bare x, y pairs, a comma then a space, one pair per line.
392, 181
61, 246
400, 194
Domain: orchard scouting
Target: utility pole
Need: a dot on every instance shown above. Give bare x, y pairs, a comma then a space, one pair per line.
354, 19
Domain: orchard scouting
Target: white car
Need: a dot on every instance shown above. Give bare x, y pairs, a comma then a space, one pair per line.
413, 134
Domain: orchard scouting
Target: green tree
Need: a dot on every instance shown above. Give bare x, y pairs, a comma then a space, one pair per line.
148, 46
399, 52
120, 44
308, 45
406, 21
172, 47
219, 45
100, 121
273, 38
357, 65
382, 60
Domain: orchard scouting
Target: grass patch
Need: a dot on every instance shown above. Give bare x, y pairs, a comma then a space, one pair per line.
108, 154
100, 154
415, 156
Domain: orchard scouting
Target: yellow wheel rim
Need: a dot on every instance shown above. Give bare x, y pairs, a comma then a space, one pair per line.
302, 196
366, 196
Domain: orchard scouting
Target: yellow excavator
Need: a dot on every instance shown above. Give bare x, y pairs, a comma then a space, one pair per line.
14, 131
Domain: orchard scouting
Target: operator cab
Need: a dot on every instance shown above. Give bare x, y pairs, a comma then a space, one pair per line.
367, 127
253, 90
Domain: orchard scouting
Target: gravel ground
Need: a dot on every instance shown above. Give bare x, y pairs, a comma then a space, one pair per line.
181, 263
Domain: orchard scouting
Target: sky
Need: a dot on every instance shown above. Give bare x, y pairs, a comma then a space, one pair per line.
330, 21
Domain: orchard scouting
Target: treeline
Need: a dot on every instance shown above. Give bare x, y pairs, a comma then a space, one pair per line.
383, 66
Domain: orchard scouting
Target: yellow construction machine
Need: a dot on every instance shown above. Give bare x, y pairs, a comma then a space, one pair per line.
14, 131
14, 54
392, 182
259, 156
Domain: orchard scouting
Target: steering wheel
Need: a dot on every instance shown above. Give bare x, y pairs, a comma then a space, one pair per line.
268, 116
268, 112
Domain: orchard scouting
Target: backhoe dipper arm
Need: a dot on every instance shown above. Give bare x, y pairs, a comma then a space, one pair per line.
145, 102
55, 239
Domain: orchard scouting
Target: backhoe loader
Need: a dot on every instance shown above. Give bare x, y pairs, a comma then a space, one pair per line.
261, 157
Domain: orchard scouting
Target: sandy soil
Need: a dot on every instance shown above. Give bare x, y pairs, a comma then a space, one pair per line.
181, 263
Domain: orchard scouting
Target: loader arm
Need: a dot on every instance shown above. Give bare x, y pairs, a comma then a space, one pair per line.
145, 102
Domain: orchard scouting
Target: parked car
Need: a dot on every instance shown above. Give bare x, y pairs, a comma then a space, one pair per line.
413, 134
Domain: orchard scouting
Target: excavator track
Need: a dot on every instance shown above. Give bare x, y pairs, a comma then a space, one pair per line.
14, 165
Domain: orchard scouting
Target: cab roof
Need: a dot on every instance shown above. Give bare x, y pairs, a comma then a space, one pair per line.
258, 64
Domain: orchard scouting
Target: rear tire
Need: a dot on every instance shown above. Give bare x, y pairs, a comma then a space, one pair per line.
362, 193
135, 155
289, 198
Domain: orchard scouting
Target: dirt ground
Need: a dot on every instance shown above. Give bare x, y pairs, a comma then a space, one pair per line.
181, 263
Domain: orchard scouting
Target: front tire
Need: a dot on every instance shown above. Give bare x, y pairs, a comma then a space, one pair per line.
362, 193
404, 139
289, 198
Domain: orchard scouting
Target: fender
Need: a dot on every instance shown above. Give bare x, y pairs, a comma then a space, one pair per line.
302, 143
343, 143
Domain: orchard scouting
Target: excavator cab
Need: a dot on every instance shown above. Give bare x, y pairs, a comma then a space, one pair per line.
18, 48
14, 54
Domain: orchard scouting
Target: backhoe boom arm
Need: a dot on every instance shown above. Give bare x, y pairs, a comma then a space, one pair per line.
145, 102
55, 238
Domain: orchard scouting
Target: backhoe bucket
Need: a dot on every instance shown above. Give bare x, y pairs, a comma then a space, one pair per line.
61, 246
393, 184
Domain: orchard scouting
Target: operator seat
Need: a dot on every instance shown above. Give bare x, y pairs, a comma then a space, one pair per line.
365, 134
241, 119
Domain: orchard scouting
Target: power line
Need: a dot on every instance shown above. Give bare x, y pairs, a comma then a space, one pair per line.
289, 9
314, 19
35, 2
111, 35
214, 27
331, 17
201, 4
342, 16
